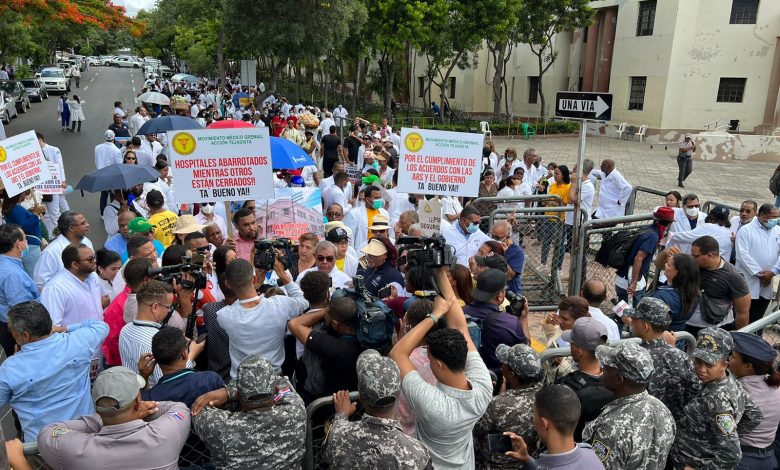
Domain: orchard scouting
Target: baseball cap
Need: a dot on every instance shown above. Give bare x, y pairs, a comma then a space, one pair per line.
371, 179
713, 344
720, 211
664, 214
494, 262
380, 222
489, 283
255, 378
754, 346
374, 248
521, 359
336, 235
630, 359
118, 383
653, 311
587, 333
139, 225
109, 135
187, 224
379, 380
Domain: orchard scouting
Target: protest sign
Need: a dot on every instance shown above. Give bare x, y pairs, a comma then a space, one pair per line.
429, 212
439, 162
353, 171
291, 213
221, 164
22, 164
53, 185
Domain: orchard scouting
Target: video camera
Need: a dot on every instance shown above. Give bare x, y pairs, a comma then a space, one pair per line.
429, 252
516, 303
265, 253
191, 265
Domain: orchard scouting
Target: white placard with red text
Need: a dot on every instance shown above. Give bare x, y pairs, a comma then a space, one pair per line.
439, 162
221, 164
22, 164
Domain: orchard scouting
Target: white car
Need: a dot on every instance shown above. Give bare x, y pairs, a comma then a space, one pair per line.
54, 79
7, 107
127, 62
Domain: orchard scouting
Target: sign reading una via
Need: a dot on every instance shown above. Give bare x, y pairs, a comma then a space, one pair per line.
593, 106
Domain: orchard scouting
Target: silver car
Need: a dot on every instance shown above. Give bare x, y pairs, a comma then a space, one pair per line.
7, 107
36, 90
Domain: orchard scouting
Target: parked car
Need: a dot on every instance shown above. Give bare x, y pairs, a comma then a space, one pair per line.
36, 89
92, 61
7, 107
55, 80
16, 89
66, 68
105, 60
165, 71
40, 69
127, 62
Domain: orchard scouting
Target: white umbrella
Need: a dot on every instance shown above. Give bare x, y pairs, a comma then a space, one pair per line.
184, 77
154, 98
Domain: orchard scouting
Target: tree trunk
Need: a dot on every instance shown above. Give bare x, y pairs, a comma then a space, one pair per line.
297, 82
498, 78
221, 55
325, 82
541, 88
356, 90
275, 71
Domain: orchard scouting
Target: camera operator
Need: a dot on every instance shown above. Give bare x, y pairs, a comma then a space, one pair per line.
498, 327
255, 325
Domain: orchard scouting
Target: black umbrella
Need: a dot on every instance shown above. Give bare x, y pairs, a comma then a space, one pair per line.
163, 124
117, 176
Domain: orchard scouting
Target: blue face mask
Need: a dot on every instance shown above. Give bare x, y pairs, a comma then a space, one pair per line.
472, 228
771, 223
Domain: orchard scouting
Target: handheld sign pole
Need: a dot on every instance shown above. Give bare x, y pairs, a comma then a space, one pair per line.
583, 107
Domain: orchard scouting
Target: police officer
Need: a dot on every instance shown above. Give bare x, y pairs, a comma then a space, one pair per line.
513, 409
267, 431
376, 441
674, 381
635, 430
708, 429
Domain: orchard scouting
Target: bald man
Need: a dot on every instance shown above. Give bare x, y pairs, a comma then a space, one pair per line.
614, 192
514, 254
595, 292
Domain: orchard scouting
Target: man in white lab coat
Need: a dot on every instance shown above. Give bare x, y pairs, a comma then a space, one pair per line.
747, 212
689, 216
360, 218
464, 235
758, 257
58, 204
614, 191
106, 154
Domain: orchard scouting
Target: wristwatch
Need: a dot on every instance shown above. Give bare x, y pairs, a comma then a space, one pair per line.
433, 317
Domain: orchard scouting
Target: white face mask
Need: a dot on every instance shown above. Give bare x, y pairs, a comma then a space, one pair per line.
692, 211
207, 209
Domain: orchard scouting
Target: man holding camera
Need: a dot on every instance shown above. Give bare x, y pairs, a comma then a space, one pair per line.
510, 327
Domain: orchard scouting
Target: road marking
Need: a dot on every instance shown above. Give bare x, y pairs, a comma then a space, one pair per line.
85, 88
91, 80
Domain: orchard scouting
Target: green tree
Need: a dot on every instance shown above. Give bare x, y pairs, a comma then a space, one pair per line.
538, 23
500, 36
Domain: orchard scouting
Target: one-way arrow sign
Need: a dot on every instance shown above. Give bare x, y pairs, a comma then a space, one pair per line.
593, 106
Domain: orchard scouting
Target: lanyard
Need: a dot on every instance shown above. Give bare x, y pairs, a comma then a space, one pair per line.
246, 301
178, 376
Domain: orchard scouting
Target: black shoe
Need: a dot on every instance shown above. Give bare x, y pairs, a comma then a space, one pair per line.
680, 183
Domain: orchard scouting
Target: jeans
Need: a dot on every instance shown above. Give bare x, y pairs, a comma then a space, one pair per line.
622, 294
685, 165
551, 234
104, 198
756, 461
73, 125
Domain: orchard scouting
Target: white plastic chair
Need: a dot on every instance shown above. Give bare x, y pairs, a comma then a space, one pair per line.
484, 127
621, 130
642, 131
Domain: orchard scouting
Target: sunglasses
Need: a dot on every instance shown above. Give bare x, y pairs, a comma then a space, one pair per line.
329, 259
130, 158
335, 214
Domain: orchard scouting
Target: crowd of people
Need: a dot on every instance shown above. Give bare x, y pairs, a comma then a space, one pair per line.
177, 343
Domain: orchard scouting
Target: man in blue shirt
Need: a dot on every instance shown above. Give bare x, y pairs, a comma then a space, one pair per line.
118, 241
16, 286
514, 254
48, 380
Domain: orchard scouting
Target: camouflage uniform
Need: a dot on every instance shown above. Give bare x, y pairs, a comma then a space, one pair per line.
374, 442
510, 411
634, 431
712, 421
673, 382
261, 438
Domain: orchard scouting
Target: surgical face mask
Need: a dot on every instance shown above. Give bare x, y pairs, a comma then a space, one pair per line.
472, 228
377, 203
692, 211
207, 209
771, 223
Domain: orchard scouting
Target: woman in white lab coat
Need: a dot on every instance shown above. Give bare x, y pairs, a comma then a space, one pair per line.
76, 113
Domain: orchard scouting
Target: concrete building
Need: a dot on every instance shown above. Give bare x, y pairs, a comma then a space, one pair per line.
673, 65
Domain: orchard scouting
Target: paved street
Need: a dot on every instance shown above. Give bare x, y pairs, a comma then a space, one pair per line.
100, 87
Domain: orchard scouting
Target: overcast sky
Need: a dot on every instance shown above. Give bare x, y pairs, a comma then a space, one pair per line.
132, 6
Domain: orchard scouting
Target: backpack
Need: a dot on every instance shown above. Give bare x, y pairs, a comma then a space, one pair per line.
616, 248
774, 183
375, 326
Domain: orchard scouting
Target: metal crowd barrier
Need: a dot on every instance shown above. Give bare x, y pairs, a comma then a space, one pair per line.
314, 449
553, 353
631, 204
707, 205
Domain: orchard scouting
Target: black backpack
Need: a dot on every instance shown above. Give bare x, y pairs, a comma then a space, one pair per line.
774, 183
616, 248
375, 319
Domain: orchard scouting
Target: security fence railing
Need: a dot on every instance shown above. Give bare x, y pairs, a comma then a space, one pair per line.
553, 353
644, 199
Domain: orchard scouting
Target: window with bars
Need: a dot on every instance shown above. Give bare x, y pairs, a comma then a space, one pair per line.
533, 90
743, 12
421, 87
731, 90
636, 96
452, 87
646, 18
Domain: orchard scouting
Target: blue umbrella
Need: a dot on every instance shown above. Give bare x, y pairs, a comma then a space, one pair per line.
163, 124
117, 176
286, 155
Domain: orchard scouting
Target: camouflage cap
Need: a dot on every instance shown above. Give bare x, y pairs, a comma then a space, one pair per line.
630, 359
379, 379
255, 379
521, 359
653, 311
713, 344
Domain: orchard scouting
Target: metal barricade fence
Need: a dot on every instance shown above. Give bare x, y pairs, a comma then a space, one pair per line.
644, 199
553, 353
707, 205
769, 327
316, 432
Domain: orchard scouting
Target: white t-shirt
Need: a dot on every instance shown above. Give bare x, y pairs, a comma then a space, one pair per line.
446, 416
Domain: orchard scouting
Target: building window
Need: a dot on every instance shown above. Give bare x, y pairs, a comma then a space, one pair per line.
579, 83
731, 90
533, 90
452, 87
646, 18
743, 12
636, 98
585, 34
421, 87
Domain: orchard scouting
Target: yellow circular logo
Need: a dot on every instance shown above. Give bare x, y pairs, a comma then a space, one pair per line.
183, 143
3, 155
413, 142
